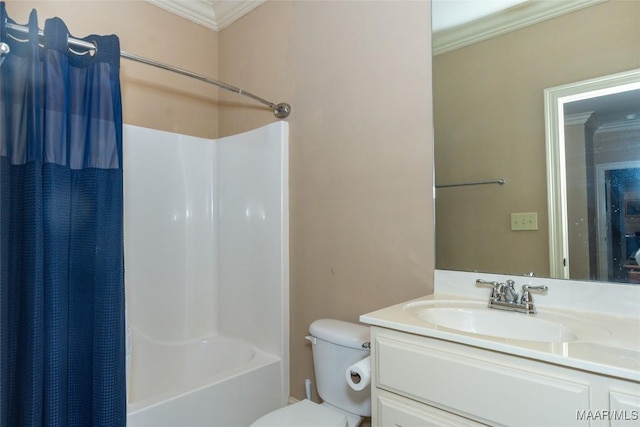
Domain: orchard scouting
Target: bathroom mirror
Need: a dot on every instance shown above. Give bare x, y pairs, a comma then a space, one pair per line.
489, 82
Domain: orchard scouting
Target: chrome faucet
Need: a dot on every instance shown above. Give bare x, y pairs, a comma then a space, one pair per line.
509, 293
505, 297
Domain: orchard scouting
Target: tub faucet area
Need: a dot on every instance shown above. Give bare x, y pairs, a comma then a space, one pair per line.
504, 296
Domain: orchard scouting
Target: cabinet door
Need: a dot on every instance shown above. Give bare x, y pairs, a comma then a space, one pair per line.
478, 384
625, 409
394, 411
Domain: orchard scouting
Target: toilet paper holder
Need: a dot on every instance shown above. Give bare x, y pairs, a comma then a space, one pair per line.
358, 375
355, 377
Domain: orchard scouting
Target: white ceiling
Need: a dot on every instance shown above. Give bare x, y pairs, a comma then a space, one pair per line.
451, 13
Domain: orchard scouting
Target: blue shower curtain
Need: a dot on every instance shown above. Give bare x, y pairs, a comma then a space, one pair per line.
62, 360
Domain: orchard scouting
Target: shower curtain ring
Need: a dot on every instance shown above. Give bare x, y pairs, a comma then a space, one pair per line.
4, 50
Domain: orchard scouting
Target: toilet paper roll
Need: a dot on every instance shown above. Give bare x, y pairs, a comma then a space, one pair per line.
359, 374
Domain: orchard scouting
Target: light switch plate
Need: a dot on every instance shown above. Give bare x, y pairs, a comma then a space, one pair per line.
521, 221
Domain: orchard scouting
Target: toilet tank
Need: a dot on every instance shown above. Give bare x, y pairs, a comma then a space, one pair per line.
338, 345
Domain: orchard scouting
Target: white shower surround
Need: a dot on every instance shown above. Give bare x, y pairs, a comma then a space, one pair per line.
206, 262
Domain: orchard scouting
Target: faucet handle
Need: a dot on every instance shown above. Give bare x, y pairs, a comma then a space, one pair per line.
485, 283
488, 284
542, 289
527, 290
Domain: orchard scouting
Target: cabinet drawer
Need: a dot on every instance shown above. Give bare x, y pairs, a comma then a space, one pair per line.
625, 409
476, 383
394, 411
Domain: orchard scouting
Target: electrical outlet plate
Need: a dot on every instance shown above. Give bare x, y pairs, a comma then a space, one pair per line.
522, 221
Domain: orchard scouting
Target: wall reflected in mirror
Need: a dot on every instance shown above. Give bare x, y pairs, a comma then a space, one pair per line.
489, 124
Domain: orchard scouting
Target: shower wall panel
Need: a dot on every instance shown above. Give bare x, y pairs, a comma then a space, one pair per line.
206, 236
170, 238
254, 242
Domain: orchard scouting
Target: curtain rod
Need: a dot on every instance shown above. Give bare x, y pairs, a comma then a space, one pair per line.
281, 110
497, 181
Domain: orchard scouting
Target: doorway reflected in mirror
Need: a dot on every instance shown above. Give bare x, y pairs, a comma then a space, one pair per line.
593, 159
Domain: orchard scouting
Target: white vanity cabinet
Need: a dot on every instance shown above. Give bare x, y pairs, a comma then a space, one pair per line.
420, 381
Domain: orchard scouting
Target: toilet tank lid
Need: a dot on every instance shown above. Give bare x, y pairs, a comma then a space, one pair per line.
342, 333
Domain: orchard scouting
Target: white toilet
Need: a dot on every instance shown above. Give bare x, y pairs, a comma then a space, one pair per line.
336, 346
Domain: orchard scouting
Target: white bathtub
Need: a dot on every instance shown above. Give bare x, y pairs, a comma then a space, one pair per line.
216, 382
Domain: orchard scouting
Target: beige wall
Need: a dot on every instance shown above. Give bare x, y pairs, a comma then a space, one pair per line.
489, 123
151, 98
575, 137
358, 77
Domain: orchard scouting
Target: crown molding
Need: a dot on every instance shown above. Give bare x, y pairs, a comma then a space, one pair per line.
213, 14
577, 119
228, 12
619, 126
512, 19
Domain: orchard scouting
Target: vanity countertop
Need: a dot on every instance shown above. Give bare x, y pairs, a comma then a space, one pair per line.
608, 344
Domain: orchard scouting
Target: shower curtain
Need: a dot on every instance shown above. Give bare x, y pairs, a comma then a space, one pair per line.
62, 360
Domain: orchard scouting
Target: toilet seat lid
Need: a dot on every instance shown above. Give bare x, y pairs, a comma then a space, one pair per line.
303, 413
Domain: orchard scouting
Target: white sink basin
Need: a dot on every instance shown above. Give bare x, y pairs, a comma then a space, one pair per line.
500, 324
